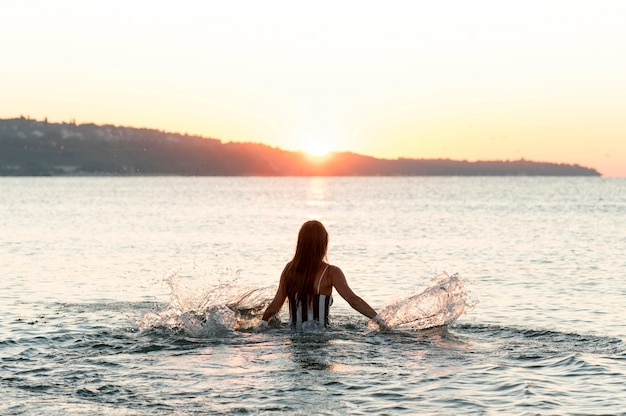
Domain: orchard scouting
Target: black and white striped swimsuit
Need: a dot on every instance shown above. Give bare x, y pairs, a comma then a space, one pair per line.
317, 309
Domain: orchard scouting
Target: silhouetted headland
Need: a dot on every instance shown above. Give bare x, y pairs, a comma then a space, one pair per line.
38, 148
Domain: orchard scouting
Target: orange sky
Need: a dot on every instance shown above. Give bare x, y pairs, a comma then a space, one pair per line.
483, 80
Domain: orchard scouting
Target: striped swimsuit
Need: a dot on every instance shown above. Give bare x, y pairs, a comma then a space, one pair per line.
317, 309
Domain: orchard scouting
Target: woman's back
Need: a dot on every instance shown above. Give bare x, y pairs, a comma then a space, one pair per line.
315, 309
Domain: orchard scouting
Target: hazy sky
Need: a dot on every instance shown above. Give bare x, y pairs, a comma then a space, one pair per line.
542, 80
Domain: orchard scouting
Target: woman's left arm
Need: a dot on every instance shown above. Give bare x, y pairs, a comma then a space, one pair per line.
274, 307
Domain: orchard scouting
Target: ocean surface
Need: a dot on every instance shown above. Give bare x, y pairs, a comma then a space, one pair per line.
140, 296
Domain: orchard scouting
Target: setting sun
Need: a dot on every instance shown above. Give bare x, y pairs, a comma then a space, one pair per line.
316, 148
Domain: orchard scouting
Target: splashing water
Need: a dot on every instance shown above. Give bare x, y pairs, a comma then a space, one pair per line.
441, 303
219, 309
199, 312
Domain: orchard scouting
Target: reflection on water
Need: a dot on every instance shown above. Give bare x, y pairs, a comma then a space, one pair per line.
317, 190
316, 194
311, 351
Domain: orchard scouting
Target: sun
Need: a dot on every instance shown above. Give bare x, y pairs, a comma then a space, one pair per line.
316, 148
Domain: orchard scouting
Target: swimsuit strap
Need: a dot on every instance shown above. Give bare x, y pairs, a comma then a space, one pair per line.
321, 277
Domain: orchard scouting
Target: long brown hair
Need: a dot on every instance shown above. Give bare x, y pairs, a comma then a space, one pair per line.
310, 253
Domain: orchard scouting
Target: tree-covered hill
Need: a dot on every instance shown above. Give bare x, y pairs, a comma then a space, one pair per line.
38, 148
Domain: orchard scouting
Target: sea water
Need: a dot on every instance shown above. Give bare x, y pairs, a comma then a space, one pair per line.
142, 296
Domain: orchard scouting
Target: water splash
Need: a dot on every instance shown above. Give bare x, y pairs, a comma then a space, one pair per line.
441, 303
199, 311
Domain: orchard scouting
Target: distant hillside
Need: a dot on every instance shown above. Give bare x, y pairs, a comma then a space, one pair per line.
38, 148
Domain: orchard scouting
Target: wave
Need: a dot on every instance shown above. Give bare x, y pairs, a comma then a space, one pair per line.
530, 343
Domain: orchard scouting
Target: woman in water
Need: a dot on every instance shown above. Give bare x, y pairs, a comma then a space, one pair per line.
308, 281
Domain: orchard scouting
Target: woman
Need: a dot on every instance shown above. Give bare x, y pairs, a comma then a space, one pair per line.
308, 281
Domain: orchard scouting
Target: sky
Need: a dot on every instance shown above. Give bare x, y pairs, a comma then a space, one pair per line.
470, 80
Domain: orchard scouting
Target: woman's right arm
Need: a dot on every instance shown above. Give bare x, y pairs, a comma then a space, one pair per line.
338, 280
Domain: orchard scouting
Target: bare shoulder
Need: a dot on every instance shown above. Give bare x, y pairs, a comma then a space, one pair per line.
332, 269
336, 274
